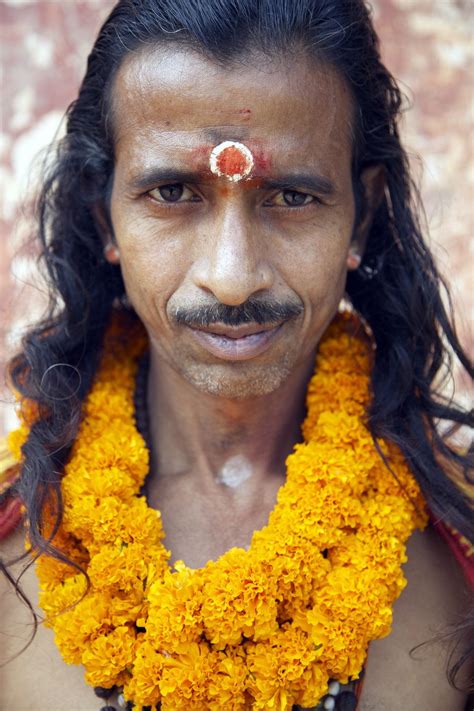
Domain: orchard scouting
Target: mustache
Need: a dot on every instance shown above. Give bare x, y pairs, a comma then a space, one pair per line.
252, 311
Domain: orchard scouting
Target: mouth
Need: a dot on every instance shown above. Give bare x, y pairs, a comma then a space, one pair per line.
236, 343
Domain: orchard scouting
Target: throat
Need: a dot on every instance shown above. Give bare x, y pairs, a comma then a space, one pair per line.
234, 472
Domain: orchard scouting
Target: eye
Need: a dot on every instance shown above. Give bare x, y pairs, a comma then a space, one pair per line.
291, 198
173, 192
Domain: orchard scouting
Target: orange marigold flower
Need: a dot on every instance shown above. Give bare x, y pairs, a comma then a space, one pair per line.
263, 628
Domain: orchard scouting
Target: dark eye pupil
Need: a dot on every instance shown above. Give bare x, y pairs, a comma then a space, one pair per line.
292, 198
171, 193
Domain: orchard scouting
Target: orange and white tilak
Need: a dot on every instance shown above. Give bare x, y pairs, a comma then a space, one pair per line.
231, 160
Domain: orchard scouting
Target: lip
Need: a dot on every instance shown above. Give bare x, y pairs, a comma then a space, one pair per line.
236, 344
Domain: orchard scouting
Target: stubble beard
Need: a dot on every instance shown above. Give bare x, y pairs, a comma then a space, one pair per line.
238, 381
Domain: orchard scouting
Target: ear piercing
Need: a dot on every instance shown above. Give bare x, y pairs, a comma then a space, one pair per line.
231, 160
111, 253
353, 260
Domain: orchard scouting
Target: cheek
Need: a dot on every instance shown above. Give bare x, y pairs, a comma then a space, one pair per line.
153, 265
316, 264
320, 282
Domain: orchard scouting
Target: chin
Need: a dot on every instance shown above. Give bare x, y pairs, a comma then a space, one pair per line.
237, 381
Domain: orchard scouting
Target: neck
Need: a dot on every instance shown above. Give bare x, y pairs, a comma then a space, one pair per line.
219, 441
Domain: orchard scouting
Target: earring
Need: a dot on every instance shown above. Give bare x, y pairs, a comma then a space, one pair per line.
371, 267
111, 253
353, 260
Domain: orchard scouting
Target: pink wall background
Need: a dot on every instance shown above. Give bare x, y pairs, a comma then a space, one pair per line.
427, 44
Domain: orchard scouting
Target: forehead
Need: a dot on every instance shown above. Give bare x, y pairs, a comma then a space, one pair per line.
169, 101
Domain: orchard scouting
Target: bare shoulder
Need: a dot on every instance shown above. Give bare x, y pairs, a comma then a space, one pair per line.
435, 596
37, 679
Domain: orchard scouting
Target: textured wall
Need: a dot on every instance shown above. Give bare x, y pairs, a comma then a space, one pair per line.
427, 44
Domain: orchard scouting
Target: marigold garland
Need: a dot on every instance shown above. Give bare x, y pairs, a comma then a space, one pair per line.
259, 629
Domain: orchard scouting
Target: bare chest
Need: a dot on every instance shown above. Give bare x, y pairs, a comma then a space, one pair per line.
200, 527
38, 680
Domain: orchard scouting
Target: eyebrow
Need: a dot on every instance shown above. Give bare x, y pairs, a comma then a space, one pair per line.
309, 181
152, 176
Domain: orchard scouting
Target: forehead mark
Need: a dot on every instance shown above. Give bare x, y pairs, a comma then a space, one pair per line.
232, 160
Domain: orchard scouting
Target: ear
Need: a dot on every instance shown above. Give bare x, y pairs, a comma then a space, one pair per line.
372, 181
106, 232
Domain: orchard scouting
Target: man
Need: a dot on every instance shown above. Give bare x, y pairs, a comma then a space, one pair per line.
229, 173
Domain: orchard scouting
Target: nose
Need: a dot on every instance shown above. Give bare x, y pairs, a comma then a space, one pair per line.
234, 262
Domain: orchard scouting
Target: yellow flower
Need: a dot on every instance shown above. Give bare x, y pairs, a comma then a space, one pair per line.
143, 685
239, 601
108, 656
16, 439
186, 676
227, 687
277, 669
56, 598
175, 609
263, 628
76, 628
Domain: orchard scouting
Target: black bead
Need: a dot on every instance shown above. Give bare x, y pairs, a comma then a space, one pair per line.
347, 701
103, 692
108, 708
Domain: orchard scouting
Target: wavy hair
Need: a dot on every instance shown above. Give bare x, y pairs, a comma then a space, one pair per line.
398, 290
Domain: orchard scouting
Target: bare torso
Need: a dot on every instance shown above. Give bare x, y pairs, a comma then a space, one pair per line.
38, 679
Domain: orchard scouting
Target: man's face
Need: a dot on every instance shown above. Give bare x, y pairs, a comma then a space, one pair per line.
189, 239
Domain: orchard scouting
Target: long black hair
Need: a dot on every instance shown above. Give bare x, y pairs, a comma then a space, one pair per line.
398, 290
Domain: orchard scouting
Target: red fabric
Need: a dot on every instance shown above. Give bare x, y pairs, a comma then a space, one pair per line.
11, 509
11, 513
460, 547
